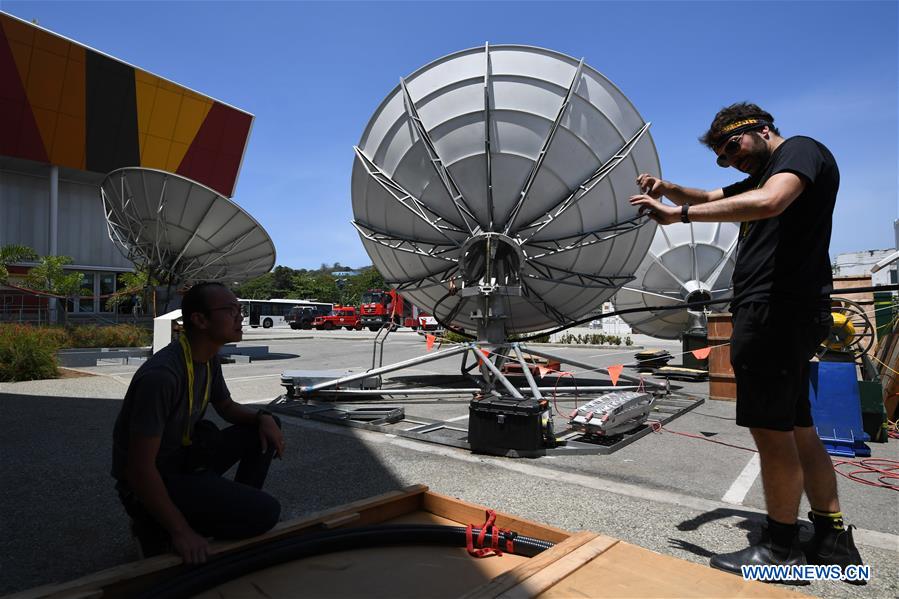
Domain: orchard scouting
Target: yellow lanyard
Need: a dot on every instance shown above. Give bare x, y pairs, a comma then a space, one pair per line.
188, 360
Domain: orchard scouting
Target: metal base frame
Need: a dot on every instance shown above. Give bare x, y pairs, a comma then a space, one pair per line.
318, 402
393, 420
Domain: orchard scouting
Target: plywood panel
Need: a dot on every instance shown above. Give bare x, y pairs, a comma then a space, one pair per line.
626, 570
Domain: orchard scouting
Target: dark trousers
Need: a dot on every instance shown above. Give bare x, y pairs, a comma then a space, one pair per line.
214, 506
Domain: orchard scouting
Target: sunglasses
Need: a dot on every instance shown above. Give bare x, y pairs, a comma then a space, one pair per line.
233, 310
730, 148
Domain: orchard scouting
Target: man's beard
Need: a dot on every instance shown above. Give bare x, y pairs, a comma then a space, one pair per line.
759, 154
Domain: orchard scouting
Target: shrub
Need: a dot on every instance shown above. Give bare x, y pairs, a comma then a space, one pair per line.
120, 335
27, 353
452, 337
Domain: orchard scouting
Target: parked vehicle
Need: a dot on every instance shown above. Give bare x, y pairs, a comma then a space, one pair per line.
426, 322
302, 317
341, 316
380, 308
274, 312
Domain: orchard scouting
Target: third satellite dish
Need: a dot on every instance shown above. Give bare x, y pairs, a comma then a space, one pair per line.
492, 187
686, 263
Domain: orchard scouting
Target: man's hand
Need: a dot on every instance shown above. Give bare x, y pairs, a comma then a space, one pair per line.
652, 186
270, 433
656, 210
192, 548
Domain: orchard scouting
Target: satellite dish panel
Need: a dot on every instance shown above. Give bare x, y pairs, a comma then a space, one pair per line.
181, 229
527, 144
686, 263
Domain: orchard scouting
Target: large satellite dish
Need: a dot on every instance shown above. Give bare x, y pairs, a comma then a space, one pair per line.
491, 186
182, 231
686, 263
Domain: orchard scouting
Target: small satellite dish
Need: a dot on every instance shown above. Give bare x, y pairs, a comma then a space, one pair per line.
182, 231
491, 187
687, 262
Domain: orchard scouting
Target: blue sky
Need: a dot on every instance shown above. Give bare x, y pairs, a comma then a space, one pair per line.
312, 73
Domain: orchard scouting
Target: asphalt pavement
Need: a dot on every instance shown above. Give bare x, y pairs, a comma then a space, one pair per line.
667, 492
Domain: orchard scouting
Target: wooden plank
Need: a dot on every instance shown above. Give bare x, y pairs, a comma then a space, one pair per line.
514, 577
626, 570
560, 569
470, 513
127, 577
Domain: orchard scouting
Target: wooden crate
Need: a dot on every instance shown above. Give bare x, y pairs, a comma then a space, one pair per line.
722, 383
580, 564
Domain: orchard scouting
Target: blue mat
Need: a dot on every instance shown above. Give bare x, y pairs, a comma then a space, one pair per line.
836, 409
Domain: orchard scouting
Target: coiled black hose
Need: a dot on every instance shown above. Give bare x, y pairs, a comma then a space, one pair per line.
222, 569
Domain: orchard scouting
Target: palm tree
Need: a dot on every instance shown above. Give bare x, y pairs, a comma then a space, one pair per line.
10, 254
50, 277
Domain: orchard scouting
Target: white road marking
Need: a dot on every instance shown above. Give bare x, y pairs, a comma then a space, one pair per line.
871, 538
740, 487
253, 377
457, 418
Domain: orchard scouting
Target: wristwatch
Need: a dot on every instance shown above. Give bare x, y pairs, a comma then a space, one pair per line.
260, 414
684, 217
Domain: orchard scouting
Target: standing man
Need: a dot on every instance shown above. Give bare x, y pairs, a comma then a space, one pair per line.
781, 312
168, 462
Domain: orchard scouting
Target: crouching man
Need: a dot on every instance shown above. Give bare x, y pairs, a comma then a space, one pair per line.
168, 461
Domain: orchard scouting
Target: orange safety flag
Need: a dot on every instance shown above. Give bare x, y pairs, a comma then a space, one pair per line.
486, 353
543, 370
430, 339
702, 354
614, 372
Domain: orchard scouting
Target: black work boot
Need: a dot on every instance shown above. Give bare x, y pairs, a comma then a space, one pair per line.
830, 546
764, 553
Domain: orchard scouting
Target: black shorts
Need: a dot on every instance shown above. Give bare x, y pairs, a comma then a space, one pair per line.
770, 349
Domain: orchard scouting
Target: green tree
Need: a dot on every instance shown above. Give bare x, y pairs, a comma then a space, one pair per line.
49, 276
10, 254
368, 278
262, 287
139, 283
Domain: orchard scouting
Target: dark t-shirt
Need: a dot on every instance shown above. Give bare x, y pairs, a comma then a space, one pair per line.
785, 259
156, 406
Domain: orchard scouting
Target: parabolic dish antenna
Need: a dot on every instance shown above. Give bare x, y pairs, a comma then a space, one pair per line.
181, 230
686, 263
491, 187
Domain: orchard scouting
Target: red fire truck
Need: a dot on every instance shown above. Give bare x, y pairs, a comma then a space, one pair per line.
380, 307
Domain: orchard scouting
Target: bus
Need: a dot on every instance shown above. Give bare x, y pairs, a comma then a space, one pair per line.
272, 313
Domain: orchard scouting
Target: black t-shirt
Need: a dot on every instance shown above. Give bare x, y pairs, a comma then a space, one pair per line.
785, 259
156, 406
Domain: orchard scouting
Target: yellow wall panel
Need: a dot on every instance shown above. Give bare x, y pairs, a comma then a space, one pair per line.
73, 94
171, 87
51, 43
44, 90
193, 113
176, 153
46, 125
18, 31
48, 71
165, 113
68, 144
154, 152
146, 97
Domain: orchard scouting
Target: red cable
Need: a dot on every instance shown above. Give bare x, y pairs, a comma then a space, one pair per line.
556, 387
869, 466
